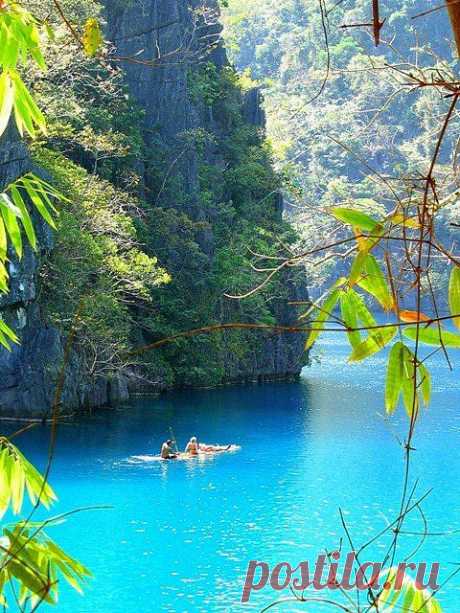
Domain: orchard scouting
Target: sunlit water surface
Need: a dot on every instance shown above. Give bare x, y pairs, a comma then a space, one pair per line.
180, 534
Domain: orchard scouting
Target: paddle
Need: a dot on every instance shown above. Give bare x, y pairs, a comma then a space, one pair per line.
173, 438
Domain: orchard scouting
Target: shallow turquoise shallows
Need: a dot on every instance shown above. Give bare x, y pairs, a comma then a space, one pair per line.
180, 534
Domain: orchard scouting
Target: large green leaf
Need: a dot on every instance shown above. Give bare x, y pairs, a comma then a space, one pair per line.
10, 214
374, 343
454, 295
394, 378
322, 316
409, 389
349, 317
433, 336
409, 598
373, 281
6, 100
92, 37
362, 312
425, 384
355, 218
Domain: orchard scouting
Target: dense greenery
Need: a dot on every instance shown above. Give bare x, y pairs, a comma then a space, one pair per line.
237, 203
364, 121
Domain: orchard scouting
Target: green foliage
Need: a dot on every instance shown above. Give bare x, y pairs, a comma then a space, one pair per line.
18, 475
205, 84
29, 559
20, 33
401, 378
333, 147
234, 209
13, 212
454, 295
96, 260
92, 37
402, 594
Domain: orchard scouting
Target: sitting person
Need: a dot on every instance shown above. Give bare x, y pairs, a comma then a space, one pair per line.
192, 446
167, 451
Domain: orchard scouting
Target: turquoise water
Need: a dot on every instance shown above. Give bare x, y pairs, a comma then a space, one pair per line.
180, 535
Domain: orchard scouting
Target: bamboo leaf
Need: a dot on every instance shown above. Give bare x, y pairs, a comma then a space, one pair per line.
454, 295
409, 390
425, 384
13, 231
39, 202
25, 217
362, 312
355, 218
323, 315
92, 37
394, 378
398, 219
412, 316
374, 343
349, 318
6, 100
373, 281
433, 336
3, 241
357, 268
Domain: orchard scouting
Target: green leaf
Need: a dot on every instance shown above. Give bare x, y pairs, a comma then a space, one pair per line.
6, 100
362, 312
433, 336
409, 391
323, 315
425, 384
373, 281
394, 378
355, 218
25, 217
92, 37
357, 267
454, 295
374, 343
10, 213
3, 241
27, 113
349, 318
39, 201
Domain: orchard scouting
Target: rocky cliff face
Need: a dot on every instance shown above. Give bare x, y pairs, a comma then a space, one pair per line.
28, 374
166, 41
158, 43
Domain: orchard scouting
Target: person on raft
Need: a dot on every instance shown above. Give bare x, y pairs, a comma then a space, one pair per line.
194, 448
167, 451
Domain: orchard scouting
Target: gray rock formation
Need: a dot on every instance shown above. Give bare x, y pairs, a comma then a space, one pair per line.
28, 374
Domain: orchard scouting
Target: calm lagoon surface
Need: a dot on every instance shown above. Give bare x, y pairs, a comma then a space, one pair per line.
180, 534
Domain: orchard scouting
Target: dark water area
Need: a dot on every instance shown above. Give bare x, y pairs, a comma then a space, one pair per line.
179, 535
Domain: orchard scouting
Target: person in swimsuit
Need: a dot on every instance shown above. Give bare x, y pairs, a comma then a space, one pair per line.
192, 446
167, 451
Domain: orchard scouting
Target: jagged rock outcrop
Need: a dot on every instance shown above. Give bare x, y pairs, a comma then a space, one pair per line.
164, 40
